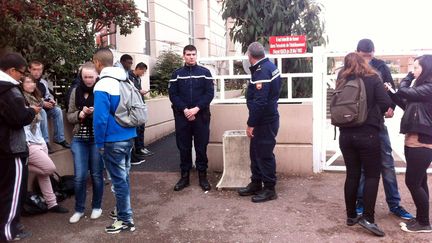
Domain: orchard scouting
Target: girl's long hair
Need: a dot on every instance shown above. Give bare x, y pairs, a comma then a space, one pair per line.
36, 93
425, 62
354, 66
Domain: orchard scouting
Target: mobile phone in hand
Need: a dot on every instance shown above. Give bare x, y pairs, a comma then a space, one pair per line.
389, 87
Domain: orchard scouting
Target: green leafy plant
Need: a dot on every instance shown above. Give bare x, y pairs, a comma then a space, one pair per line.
259, 19
166, 64
61, 34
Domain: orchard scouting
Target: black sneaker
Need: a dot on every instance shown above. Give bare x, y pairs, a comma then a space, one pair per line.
50, 150
64, 144
417, 228
136, 159
409, 222
146, 152
352, 221
371, 227
20, 227
119, 226
22, 235
58, 209
113, 214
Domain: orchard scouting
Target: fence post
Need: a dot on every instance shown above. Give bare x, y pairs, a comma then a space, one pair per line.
318, 107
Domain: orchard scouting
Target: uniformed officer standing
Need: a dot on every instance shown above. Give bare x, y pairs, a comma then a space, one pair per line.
191, 91
262, 125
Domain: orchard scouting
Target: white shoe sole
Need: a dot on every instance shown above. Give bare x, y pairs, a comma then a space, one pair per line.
132, 229
404, 228
138, 162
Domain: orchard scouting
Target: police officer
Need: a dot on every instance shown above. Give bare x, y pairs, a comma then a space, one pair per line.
262, 125
191, 91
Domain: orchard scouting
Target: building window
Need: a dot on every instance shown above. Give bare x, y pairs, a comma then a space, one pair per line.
145, 23
147, 37
191, 22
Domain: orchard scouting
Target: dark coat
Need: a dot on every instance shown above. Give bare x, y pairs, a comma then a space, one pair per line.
14, 115
191, 86
263, 93
417, 103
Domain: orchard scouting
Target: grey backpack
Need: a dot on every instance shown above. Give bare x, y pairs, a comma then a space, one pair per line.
131, 110
348, 107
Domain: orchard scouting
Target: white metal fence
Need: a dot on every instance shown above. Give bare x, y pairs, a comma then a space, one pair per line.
326, 153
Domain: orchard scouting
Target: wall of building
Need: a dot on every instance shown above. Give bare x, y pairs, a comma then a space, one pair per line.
170, 28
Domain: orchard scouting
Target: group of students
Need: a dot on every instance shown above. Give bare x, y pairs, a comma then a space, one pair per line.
366, 148
24, 98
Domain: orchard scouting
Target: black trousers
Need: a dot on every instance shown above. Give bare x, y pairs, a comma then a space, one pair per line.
263, 163
418, 160
361, 150
199, 130
139, 139
13, 188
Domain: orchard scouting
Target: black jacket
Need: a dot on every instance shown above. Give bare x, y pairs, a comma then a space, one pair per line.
14, 115
384, 71
417, 103
378, 103
136, 81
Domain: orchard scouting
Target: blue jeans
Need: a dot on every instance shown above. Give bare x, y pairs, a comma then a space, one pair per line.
57, 115
117, 156
388, 173
86, 156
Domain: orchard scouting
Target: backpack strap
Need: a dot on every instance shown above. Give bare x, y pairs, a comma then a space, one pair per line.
114, 78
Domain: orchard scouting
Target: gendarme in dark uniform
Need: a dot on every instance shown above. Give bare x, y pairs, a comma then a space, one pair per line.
262, 125
191, 91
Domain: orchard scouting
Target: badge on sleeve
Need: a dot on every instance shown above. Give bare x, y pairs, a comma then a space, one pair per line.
258, 86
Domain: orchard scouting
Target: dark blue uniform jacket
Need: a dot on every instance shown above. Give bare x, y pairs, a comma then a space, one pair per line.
263, 93
191, 86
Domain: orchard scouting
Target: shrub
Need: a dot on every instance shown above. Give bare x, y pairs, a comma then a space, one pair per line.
166, 64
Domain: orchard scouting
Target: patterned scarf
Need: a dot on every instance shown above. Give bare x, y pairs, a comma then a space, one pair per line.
32, 100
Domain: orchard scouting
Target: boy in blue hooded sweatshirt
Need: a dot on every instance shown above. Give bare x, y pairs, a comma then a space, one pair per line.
113, 141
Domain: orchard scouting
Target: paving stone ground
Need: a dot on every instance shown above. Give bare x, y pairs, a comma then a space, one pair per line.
309, 209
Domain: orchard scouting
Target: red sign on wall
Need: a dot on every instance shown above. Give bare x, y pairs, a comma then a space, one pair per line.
292, 44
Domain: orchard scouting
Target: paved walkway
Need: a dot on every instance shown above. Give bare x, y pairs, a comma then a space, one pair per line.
309, 209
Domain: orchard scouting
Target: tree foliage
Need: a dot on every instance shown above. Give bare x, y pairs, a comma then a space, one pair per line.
166, 64
61, 33
257, 20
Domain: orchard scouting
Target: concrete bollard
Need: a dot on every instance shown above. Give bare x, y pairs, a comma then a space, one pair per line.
236, 161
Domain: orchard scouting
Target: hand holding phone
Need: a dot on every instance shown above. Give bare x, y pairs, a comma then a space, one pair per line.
389, 87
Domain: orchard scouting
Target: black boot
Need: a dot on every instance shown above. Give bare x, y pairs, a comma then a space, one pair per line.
267, 194
251, 189
183, 182
203, 182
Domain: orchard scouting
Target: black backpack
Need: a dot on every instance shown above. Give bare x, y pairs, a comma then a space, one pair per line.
348, 107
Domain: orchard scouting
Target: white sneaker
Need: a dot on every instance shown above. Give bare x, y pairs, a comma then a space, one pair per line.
96, 213
75, 217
